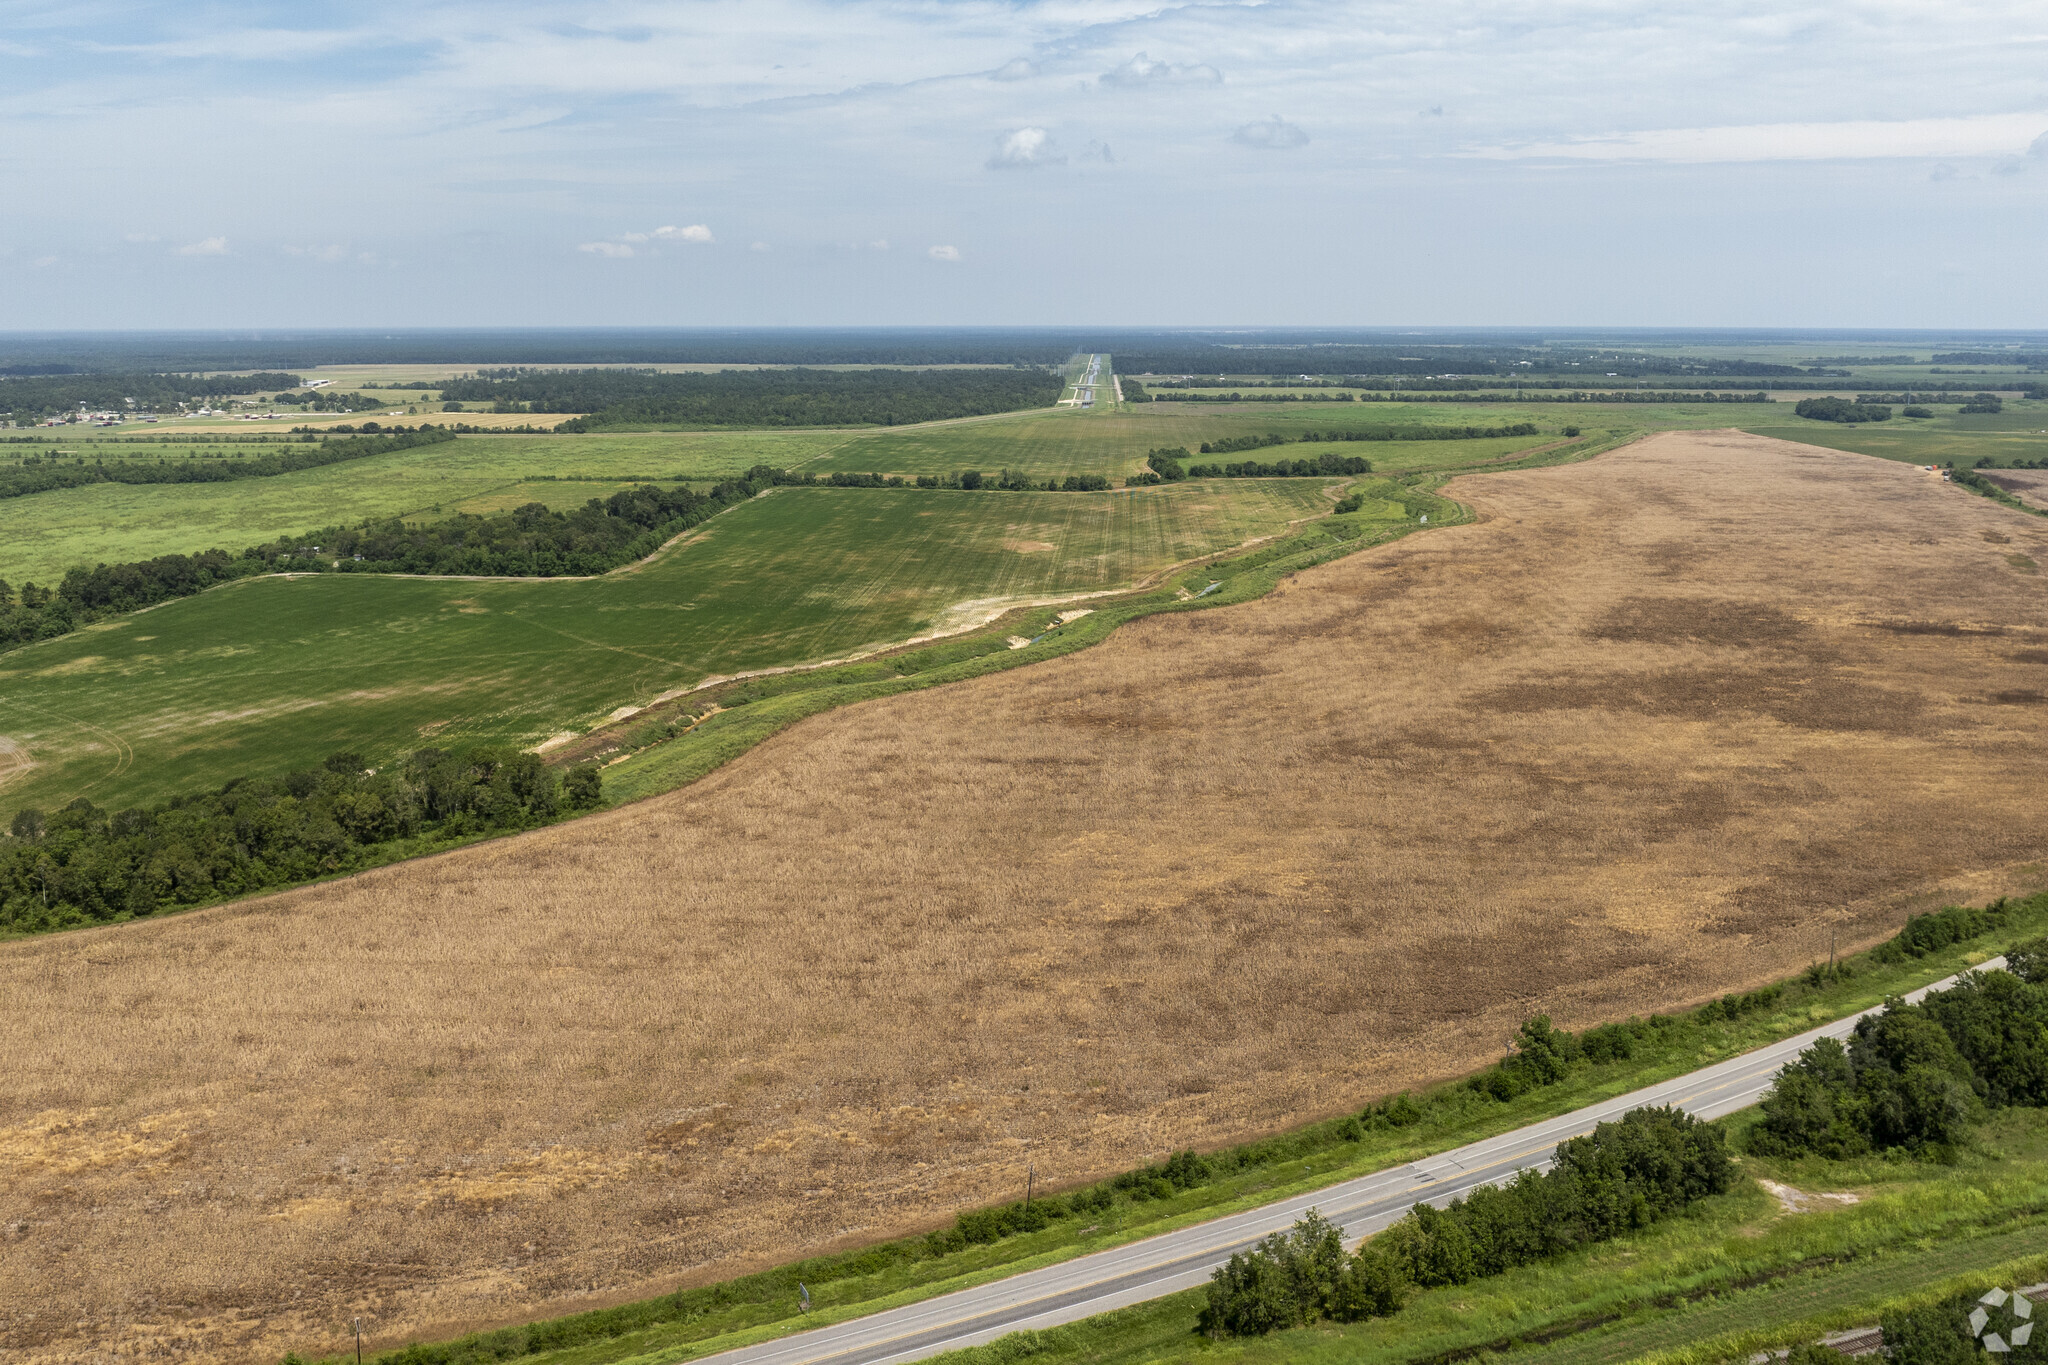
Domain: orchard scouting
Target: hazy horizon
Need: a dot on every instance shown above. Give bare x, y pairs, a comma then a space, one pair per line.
801, 163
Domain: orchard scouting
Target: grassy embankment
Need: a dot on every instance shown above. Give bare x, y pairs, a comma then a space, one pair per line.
1917, 1223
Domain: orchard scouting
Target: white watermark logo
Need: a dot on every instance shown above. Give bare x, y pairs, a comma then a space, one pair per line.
2002, 1309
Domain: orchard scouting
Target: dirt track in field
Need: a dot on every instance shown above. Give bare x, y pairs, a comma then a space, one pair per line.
1640, 736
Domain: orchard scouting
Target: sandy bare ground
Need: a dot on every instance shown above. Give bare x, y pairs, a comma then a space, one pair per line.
1638, 737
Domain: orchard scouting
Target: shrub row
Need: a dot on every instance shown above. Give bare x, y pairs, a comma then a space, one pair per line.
1625, 1175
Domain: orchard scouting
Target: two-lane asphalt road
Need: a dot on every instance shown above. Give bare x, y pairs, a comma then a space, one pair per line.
1103, 1280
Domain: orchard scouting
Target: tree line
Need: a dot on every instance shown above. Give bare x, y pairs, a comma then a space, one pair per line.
85, 865
2033, 360
1464, 391
1915, 1077
758, 398
32, 398
528, 541
42, 474
1624, 1176
1230, 444
1006, 480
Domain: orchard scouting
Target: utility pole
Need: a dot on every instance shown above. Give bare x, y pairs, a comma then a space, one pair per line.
358, 1324
1831, 952
1030, 1172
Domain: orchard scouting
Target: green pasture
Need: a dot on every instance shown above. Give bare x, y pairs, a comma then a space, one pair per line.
2018, 433
44, 534
1057, 442
271, 673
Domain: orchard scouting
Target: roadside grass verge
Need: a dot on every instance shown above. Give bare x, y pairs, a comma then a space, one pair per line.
701, 1321
1735, 1275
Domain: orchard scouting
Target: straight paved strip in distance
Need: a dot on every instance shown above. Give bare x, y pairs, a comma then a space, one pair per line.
1171, 1262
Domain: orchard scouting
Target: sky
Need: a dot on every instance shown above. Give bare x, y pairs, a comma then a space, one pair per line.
1854, 163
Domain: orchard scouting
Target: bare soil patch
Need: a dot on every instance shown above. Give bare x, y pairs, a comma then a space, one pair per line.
1640, 736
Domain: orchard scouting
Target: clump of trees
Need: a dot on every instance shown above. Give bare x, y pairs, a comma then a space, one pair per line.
531, 541
1841, 410
1624, 1176
83, 865
1327, 463
1914, 1077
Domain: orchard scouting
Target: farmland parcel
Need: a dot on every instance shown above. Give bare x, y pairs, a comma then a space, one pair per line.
1641, 736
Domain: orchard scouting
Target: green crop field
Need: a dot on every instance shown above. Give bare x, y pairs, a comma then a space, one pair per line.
2018, 433
1113, 443
269, 673
44, 534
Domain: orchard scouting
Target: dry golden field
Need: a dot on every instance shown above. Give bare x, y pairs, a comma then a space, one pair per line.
1639, 736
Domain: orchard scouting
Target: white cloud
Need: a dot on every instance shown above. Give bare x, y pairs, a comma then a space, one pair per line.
879, 244
2039, 147
206, 246
1023, 149
695, 232
1864, 139
760, 246
1271, 134
1016, 69
42, 262
1141, 71
615, 251
944, 253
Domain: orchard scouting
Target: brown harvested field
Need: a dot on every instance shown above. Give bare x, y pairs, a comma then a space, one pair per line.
1634, 739
2030, 486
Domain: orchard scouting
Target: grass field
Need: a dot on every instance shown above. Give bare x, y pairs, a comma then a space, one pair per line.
46, 533
2018, 433
43, 535
1064, 441
274, 672
1648, 731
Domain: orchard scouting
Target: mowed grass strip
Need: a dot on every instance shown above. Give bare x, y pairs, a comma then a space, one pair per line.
276, 672
44, 534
